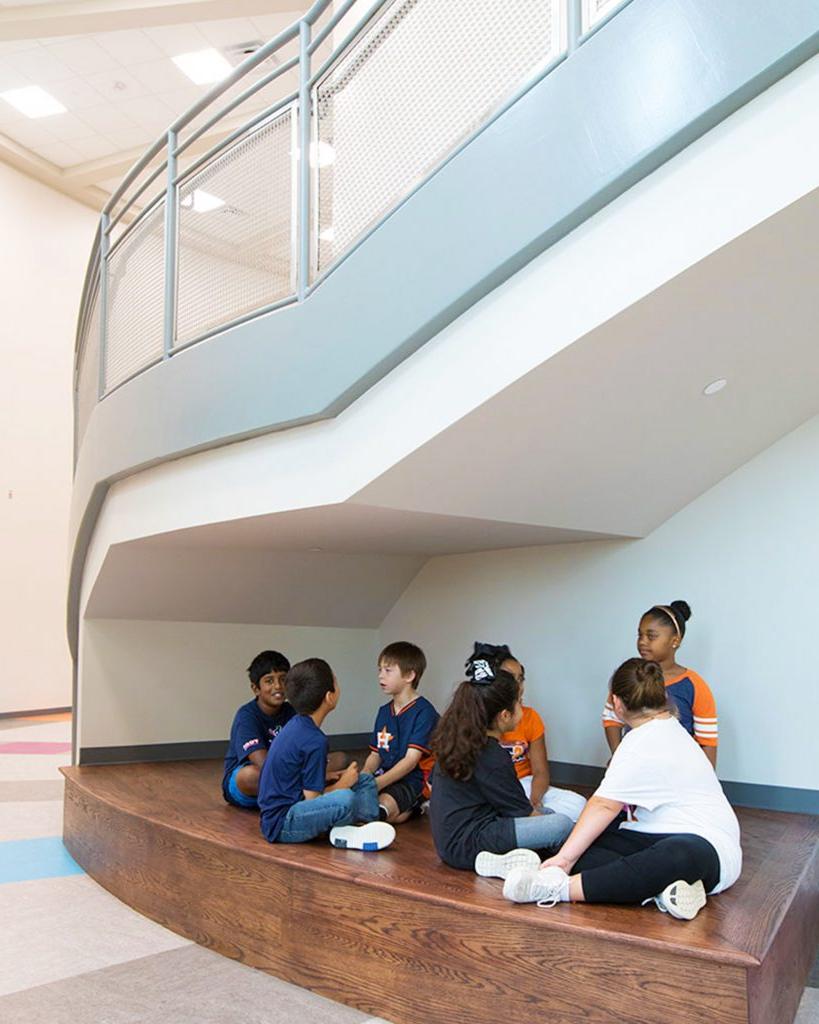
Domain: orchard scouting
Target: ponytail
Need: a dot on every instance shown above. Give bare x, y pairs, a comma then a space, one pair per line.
461, 733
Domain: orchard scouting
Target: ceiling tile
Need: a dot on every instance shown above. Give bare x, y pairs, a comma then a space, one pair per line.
41, 65
94, 148
148, 112
106, 117
176, 39
31, 133
83, 56
129, 47
59, 153
76, 93
159, 75
68, 127
229, 32
134, 137
270, 25
11, 78
117, 85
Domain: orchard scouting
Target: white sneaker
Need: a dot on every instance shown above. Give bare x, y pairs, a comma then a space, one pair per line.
680, 899
376, 835
523, 885
498, 865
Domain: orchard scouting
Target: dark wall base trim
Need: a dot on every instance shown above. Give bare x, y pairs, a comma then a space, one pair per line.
36, 712
198, 750
742, 794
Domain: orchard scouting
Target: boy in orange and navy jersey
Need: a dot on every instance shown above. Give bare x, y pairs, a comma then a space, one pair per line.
400, 756
661, 632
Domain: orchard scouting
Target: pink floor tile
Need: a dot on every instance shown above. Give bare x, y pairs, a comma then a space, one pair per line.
34, 748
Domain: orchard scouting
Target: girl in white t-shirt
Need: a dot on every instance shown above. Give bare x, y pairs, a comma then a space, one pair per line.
681, 837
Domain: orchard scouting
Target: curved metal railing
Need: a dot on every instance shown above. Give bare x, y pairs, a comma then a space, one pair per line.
222, 219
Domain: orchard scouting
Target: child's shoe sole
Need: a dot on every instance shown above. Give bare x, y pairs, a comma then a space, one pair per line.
682, 900
377, 835
498, 865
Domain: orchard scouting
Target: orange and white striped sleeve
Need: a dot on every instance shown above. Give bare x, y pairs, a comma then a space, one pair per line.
610, 719
706, 726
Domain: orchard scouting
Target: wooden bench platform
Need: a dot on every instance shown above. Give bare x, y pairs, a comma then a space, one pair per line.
399, 935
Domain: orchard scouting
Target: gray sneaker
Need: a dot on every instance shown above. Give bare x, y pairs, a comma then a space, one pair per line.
523, 885
498, 865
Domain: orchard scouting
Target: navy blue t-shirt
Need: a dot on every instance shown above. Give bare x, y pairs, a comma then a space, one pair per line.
409, 729
297, 761
252, 730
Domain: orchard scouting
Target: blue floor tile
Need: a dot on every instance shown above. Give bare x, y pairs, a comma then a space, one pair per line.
23, 860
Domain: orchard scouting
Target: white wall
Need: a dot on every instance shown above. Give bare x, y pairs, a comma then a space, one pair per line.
746, 557
46, 240
173, 682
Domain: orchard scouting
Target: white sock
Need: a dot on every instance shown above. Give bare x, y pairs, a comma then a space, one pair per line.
564, 892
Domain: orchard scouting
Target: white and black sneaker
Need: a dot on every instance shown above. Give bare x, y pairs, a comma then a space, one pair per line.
376, 835
498, 865
544, 887
681, 899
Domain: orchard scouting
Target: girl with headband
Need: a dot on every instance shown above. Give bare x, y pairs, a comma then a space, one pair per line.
661, 631
478, 810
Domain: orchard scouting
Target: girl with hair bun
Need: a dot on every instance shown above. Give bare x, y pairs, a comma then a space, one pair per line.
680, 840
478, 810
660, 633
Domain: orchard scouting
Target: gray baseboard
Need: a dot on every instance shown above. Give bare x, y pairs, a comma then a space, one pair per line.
35, 713
198, 750
564, 773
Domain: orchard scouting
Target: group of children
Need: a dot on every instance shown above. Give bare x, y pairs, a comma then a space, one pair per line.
658, 828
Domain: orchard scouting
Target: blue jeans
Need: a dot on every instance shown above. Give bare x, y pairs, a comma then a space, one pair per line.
310, 818
545, 832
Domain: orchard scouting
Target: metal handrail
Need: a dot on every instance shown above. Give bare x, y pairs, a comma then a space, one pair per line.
171, 145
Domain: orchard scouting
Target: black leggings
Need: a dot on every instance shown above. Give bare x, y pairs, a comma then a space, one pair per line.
623, 866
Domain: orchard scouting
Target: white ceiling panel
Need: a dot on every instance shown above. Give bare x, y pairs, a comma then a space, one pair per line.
129, 47
82, 56
117, 85
107, 117
76, 93
175, 39
94, 147
230, 32
59, 153
40, 65
159, 75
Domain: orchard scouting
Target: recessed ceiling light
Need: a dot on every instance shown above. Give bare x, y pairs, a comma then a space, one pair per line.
328, 234
714, 386
201, 201
203, 66
33, 101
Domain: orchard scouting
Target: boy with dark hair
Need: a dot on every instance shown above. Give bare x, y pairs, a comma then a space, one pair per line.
400, 755
255, 726
295, 804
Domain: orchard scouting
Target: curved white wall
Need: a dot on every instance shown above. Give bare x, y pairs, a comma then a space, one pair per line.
44, 247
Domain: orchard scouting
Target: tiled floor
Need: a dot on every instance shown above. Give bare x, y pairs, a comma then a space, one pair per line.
70, 952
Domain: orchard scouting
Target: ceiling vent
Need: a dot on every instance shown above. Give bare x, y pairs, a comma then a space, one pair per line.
238, 52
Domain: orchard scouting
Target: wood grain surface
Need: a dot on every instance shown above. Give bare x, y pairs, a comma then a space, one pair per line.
400, 935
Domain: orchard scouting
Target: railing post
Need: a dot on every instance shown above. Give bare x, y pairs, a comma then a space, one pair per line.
305, 32
171, 242
575, 24
104, 247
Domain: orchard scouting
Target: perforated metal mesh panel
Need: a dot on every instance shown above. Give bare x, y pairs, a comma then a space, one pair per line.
594, 10
423, 78
88, 381
136, 284
235, 231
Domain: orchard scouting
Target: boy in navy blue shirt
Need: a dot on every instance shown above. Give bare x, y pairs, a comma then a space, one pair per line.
255, 726
295, 805
400, 755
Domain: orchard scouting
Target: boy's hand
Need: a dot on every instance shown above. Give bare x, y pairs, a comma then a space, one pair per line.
332, 776
349, 777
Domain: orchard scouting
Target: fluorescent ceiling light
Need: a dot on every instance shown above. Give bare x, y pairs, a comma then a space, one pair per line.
201, 201
33, 101
203, 66
327, 235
